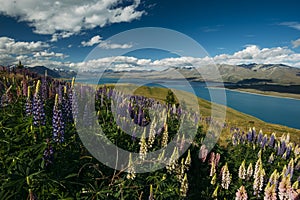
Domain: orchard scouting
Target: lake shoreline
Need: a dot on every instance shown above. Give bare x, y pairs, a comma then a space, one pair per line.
267, 93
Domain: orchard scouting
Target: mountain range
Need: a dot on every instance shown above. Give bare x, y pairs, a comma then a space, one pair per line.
238, 74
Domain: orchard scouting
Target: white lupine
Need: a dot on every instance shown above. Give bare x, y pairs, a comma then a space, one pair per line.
226, 177
188, 160
242, 170
258, 180
171, 166
212, 169
131, 170
184, 186
249, 171
165, 136
143, 146
152, 133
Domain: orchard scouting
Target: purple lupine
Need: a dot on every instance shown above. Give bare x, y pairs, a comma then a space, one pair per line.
272, 140
48, 154
259, 137
264, 141
28, 104
57, 122
66, 106
249, 135
38, 107
282, 148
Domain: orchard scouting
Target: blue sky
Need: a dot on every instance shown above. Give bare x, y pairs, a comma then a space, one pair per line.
233, 32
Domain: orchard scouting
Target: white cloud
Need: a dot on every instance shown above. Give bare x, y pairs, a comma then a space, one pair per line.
254, 54
104, 44
94, 40
250, 54
28, 52
108, 45
296, 43
46, 54
295, 25
65, 18
10, 46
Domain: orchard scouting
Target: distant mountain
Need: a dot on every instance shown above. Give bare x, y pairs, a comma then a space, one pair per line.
241, 74
41, 71
54, 73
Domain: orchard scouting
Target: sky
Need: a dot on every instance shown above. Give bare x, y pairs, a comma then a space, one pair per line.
63, 33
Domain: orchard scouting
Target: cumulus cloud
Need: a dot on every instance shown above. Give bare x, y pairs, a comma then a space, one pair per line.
104, 44
46, 54
64, 18
29, 52
250, 54
108, 45
94, 40
296, 43
10, 46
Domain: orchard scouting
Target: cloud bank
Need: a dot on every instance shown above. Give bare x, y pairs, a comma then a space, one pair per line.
62, 19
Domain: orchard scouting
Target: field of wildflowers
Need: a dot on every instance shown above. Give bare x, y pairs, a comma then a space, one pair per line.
42, 156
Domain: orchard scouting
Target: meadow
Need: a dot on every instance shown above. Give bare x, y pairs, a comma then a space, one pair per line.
42, 155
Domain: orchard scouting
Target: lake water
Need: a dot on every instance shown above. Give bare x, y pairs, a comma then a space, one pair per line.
270, 109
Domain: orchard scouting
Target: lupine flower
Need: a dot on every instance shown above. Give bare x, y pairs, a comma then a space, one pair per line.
259, 174
152, 132
38, 107
258, 180
290, 168
242, 170
143, 146
165, 136
188, 160
264, 141
272, 140
271, 158
57, 122
171, 166
259, 137
212, 169
273, 180
270, 193
249, 171
226, 177
211, 158
131, 170
283, 188
203, 153
184, 186
241, 194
